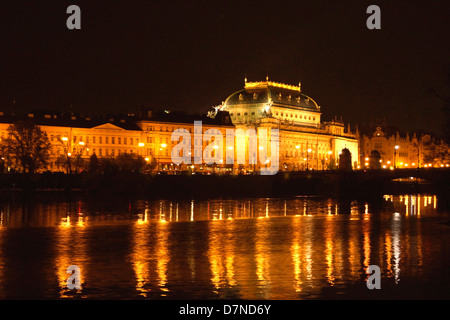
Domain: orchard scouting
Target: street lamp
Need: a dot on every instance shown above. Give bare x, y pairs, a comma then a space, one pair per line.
395, 156
163, 145
307, 159
65, 143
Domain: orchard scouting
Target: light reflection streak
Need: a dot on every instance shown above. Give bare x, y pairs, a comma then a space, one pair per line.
71, 249
396, 249
366, 244
329, 250
140, 256
221, 254
2, 256
162, 254
261, 256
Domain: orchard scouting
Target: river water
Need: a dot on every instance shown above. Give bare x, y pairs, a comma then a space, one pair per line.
259, 248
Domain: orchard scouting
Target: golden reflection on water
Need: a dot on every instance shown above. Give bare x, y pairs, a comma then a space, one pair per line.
221, 254
261, 248
150, 253
140, 256
71, 249
2, 257
162, 254
317, 248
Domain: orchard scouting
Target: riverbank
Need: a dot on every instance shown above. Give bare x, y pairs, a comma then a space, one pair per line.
341, 184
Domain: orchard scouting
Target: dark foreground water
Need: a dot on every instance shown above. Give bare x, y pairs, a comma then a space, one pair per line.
296, 248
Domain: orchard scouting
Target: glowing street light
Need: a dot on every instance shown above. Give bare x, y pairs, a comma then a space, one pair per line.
395, 155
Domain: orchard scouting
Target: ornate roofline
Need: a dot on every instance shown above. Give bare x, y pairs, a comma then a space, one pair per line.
267, 83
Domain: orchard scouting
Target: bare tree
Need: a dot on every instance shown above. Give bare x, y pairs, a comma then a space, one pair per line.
26, 147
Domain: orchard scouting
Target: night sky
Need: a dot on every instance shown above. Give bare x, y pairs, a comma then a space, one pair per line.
190, 55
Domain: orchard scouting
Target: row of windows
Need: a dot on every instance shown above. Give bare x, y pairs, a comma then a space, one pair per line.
100, 140
100, 152
172, 129
292, 115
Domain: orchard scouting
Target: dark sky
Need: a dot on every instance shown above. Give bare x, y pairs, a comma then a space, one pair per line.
191, 55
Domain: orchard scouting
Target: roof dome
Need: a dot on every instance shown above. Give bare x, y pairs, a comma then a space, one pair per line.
268, 92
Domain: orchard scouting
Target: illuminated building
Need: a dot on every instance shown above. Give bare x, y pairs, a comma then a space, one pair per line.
107, 137
404, 151
304, 141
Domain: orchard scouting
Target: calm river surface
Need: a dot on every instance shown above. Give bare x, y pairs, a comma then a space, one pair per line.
263, 248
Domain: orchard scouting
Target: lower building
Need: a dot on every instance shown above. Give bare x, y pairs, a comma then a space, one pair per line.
402, 151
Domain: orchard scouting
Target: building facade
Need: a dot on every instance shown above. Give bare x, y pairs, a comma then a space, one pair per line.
407, 151
79, 137
304, 141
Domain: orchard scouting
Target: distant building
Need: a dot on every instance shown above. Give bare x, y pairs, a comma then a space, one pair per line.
397, 151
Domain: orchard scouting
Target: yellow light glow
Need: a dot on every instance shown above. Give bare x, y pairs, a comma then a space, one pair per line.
257, 84
64, 139
81, 143
141, 144
163, 145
